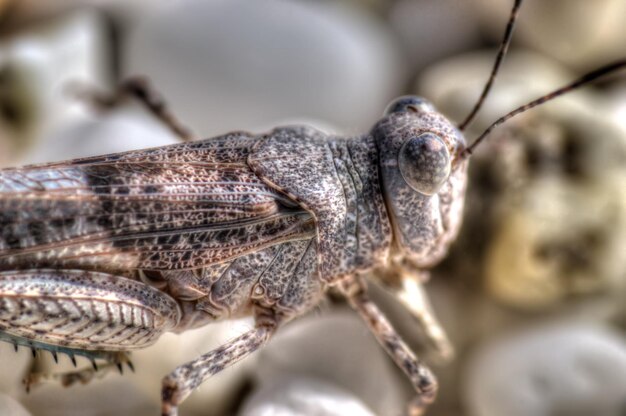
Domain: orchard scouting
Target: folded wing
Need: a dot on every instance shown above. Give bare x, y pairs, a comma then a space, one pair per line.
176, 207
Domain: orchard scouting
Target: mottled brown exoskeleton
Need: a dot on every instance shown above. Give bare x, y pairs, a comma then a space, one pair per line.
99, 256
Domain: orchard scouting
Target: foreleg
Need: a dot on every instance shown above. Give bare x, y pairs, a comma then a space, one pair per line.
423, 380
408, 287
414, 298
140, 89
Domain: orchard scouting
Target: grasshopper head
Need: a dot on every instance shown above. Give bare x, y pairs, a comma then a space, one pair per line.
423, 178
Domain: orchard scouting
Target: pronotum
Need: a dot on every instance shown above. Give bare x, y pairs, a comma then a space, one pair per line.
100, 256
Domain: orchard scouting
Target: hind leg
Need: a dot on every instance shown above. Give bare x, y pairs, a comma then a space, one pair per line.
139, 88
179, 384
112, 360
408, 287
412, 295
82, 310
81, 313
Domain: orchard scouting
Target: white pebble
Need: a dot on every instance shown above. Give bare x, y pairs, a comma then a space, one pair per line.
10, 407
233, 64
303, 397
568, 369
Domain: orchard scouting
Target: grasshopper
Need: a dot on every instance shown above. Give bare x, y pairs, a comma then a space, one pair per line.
100, 256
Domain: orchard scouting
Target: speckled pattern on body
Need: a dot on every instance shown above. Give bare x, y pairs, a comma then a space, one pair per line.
231, 226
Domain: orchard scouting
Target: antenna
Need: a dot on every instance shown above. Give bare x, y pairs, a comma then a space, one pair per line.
504, 46
585, 79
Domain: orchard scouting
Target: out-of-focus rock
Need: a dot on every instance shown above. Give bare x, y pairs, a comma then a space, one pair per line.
4, 4
303, 397
546, 214
13, 367
129, 127
545, 251
24, 11
455, 84
36, 67
579, 33
9, 407
430, 30
566, 369
254, 65
617, 104
111, 395
338, 349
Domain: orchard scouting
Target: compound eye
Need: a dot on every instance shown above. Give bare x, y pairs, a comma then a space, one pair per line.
409, 103
424, 163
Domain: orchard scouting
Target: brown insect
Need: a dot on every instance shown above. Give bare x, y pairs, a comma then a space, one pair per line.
100, 256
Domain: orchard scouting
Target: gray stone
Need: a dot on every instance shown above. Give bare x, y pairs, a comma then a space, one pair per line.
579, 33
10, 407
303, 397
568, 369
39, 64
233, 64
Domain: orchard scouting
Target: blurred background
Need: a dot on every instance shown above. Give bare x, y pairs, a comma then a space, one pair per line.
533, 294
